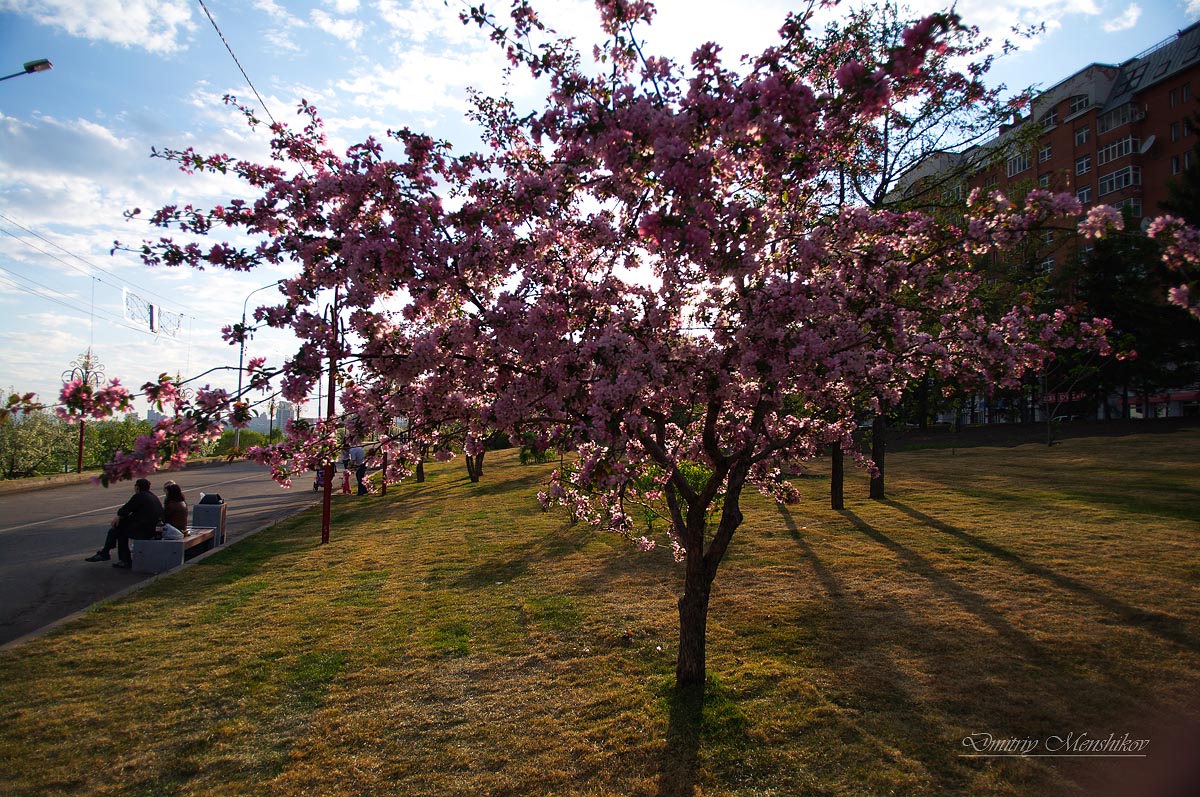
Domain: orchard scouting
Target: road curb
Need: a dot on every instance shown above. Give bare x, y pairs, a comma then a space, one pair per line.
13, 644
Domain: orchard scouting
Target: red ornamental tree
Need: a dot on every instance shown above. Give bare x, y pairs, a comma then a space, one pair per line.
653, 272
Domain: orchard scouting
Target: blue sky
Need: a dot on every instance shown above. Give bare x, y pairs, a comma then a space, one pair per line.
134, 74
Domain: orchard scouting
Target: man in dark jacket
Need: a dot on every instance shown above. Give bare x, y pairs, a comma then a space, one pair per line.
137, 520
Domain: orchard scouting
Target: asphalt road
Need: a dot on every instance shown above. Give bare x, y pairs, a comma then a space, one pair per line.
46, 534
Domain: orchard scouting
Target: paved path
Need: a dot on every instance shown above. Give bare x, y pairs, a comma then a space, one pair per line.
45, 536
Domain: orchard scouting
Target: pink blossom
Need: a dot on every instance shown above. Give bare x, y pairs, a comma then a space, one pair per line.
1100, 220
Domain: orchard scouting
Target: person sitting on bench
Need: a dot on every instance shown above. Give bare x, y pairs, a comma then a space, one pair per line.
138, 519
175, 508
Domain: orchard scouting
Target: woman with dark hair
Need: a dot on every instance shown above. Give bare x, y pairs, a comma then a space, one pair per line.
175, 509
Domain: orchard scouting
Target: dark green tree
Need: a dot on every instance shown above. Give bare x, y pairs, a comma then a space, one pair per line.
113, 436
1123, 279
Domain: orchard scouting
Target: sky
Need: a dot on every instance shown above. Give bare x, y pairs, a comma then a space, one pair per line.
131, 75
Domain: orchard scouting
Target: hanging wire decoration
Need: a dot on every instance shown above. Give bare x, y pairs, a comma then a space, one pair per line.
150, 316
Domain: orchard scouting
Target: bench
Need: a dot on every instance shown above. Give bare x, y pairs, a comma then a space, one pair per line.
157, 556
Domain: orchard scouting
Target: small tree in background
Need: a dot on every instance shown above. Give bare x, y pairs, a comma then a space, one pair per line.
34, 442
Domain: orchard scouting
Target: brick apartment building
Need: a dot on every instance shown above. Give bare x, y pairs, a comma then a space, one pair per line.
1109, 133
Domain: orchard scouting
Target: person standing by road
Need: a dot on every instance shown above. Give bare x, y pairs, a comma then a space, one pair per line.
359, 458
137, 519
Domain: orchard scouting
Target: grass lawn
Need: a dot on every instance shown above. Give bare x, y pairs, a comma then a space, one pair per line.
453, 639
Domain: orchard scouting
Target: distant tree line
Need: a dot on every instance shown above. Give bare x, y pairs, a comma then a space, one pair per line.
39, 443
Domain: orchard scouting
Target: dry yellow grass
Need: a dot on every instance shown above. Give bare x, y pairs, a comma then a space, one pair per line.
455, 640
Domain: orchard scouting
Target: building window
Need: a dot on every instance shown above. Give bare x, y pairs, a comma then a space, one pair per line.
1174, 98
1044, 180
1114, 118
1133, 203
990, 181
1079, 102
1045, 153
1188, 159
1084, 194
1083, 165
1018, 163
1048, 237
1118, 149
1051, 118
1174, 164
1081, 135
1186, 92
1121, 178
1187, 127
1047, 265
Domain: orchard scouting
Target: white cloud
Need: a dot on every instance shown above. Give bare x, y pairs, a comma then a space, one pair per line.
422, 20
280, 35
1192, 8
343, 7
1126, 21
277, 12
281, 41
154, 25
348, 30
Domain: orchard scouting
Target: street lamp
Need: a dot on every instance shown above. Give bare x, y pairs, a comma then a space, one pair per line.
237, 431
38, 65
87, 370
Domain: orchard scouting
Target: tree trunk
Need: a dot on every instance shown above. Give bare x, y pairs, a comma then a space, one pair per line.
837, 477
923, 404
693, 626
877, 453
420, 471
474, 466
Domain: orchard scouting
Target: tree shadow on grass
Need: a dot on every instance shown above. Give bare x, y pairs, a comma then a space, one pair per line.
1159, 624
972, 601
832, 586
855, 641
681, 755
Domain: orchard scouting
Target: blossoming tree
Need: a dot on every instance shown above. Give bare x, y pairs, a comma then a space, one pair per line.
651, 271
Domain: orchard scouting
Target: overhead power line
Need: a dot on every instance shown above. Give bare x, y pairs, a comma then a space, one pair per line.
232, 55
49, 294
119, 282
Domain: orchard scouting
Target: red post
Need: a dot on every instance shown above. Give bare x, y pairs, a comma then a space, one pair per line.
383, 476
79, 462
327, 498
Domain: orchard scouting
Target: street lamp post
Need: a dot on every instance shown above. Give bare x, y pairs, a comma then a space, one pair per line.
38, 65
88, 370
237, 432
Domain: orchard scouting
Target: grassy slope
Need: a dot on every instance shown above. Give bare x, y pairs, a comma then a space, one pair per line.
453, 639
